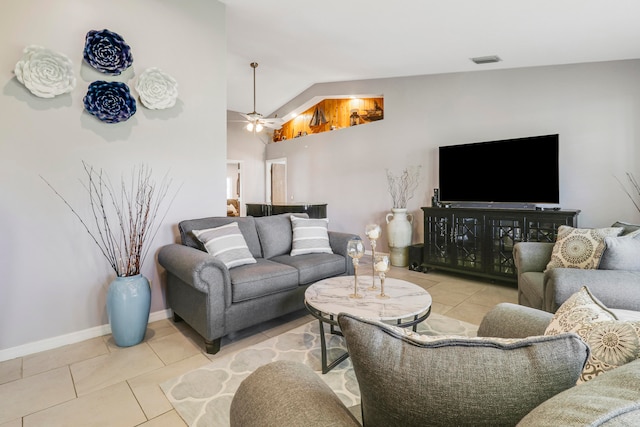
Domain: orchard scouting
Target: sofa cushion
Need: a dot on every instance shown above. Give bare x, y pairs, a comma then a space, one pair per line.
247, 226
406, 381
310, 235
622, 253
531, 285
314, 267
263, 278
626, 227
227, 244
612, 342
608, 400
580, 247
275, 234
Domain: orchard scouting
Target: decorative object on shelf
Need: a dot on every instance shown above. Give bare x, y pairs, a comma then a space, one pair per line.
44, 72
355, 249
127, 218
354, 118
399, 230
157, 89
381, 265
373, 233
107, 52
111, 102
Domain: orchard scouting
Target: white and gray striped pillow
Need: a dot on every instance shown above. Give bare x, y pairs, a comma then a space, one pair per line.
310, 235
227, 244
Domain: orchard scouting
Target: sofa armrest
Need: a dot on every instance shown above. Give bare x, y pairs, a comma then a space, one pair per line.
532, 256
508, 320
195, 268
338, 242
287, 393
615, 288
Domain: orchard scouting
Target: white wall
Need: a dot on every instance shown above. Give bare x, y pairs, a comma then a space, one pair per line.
594, 107
53, 279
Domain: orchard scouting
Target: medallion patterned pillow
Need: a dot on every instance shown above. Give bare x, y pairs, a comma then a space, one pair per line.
227, 244
580, 247
612, 342
310, 235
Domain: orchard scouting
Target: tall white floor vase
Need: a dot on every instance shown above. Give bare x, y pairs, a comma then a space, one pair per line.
399, 230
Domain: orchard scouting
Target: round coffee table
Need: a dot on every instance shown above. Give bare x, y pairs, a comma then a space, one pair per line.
408, 304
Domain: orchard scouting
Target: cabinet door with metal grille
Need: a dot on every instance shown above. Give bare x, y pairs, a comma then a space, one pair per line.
504, 232
466, 239
437, 232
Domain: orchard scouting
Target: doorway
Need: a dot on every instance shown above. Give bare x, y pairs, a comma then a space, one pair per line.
276, 181
235, 205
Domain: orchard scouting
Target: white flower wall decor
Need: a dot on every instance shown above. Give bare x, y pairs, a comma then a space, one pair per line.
44, 72
157, 89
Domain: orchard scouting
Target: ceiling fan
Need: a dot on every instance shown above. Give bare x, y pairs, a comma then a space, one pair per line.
256, 121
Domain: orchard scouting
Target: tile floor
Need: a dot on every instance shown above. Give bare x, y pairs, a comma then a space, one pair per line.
96, 383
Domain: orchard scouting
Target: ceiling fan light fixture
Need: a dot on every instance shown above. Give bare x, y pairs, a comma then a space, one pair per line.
249, 127
258, 127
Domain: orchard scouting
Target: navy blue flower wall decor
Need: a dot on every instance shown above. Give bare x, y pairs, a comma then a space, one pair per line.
107, 52
110, 102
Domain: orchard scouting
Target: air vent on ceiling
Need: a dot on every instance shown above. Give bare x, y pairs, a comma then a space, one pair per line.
486, 59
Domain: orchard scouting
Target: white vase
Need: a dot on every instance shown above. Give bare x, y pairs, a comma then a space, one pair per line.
399, 230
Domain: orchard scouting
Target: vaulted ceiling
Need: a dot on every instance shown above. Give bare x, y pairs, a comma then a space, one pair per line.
298, 43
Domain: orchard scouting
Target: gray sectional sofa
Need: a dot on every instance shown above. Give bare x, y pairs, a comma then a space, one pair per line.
547, 290
215, 300
489, 389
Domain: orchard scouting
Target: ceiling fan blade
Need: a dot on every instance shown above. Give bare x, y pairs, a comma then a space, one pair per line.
272, 120
247, 117
272, 125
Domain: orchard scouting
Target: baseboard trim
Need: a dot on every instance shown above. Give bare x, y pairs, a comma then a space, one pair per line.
72, 338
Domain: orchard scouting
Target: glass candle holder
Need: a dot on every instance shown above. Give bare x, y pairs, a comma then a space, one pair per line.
373, 231
382, 266
355, 249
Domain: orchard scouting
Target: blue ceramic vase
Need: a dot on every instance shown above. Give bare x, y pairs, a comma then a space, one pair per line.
128, 305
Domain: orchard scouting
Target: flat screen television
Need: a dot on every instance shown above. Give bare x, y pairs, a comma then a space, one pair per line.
522, 172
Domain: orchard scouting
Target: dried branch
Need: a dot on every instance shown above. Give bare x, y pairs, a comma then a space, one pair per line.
634, 183
125, 221
403, 186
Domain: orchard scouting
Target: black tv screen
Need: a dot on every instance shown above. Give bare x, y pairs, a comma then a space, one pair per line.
521, 170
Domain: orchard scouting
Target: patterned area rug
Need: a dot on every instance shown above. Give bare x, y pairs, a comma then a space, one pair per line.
203, 396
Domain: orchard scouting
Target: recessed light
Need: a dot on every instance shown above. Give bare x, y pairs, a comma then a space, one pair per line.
486, 59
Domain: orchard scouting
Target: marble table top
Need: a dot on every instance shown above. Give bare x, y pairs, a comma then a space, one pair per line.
331, 296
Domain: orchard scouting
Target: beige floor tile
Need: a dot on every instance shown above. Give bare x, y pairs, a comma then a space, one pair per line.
103, 371
494, 294
459, 286
15, 423
35, 393
169, 419
173, 348
111, 406
436, 307
147, 390
443, 296
10, 370
468, 312
62, 356
160, 329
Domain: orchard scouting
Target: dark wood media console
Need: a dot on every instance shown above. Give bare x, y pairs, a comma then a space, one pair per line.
480, 241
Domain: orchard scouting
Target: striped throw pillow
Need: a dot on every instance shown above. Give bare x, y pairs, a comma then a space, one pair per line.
227, 244
310, 236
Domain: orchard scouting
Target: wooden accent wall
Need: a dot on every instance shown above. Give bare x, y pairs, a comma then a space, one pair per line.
337, 113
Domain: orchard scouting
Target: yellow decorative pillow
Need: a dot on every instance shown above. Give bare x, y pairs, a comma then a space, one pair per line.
580, 247
612, 342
